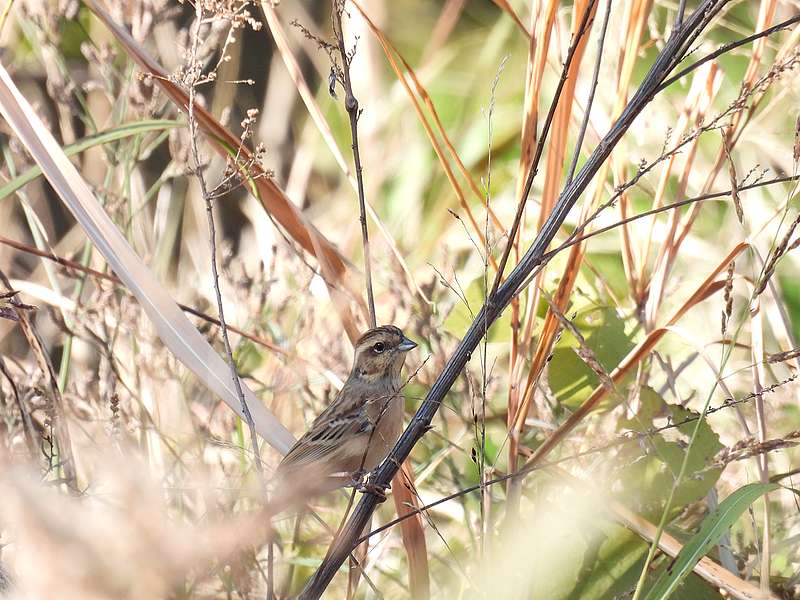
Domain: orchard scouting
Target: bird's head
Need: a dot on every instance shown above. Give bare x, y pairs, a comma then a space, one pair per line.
380, 353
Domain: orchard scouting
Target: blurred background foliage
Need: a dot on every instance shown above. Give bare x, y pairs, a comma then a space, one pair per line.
128, 402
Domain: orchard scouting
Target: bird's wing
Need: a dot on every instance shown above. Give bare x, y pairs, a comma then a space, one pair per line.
344, 419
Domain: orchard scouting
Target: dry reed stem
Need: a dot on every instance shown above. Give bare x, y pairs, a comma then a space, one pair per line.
55, 410
315, 112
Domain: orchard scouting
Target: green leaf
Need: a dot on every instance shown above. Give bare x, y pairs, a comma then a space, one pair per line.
610, 265
570, 378
98, 139
712, 529
462, 315
611, 564
652, 465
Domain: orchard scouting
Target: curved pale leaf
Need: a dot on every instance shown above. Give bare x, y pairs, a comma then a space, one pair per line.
174, 329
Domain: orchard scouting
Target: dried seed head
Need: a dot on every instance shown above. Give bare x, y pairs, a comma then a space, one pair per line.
726, 314
796, 149
737, 203
779, 357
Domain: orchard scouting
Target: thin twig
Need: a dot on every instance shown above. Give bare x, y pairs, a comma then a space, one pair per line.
587, 111
485, 497
193, 79
727, 48
194, 70
679, 16
354, 112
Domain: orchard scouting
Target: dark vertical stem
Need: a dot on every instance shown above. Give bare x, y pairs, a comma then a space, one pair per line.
679, 15
351, 105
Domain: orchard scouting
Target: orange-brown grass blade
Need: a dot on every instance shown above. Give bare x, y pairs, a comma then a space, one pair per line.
390, 52
542, 20
224, 142
553, 176
281, 42
557, 147
405, 502
641, 350
506, 7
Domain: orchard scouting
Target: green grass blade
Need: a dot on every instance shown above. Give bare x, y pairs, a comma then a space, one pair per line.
712, 529
97, 139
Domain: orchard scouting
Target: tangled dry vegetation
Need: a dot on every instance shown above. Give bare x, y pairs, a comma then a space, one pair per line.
625, 427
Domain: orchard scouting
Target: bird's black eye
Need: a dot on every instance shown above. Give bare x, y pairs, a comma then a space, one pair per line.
379, 347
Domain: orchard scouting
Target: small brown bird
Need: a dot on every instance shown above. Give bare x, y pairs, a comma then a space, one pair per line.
355, 433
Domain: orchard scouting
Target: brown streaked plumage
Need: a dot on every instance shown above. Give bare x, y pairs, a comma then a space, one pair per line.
357, 430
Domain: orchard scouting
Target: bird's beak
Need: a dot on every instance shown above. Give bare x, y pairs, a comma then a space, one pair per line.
406, 345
